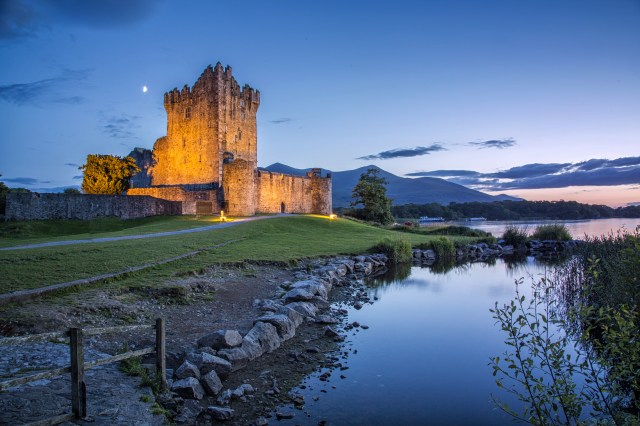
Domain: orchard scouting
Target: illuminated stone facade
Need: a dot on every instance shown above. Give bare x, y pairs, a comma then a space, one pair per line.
208, 160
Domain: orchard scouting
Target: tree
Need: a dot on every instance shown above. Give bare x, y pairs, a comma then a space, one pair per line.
107, 174
71, 190
371, 192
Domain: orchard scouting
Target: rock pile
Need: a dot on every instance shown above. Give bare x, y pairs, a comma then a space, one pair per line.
484, 251
202, 372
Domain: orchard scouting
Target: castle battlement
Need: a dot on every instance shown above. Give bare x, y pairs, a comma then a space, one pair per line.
213, 80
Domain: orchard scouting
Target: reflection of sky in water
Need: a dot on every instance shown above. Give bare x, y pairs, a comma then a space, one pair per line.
577, 228
425, 358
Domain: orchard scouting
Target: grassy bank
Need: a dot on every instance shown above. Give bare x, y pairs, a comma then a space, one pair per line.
39, 231
282, 239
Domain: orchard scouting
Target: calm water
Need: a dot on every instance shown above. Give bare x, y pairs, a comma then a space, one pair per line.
578, 228
424, 359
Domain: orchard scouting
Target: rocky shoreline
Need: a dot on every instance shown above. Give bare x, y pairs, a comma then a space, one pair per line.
201, 375
483, 251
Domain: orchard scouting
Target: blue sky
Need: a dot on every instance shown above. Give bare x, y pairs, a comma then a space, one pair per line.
539, 99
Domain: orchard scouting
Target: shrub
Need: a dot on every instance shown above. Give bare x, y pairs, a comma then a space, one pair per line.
398, 251
515, 236
443, 246
556, 231
589, 307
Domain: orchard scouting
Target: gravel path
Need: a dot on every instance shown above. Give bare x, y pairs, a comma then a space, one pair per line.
113, 398
137, 237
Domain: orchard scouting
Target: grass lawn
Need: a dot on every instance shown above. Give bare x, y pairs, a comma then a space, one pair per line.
39, 231
283, 239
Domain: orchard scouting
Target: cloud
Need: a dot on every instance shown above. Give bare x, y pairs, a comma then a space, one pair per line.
633, 204
281, 120
529, 170
74, 165
404, 152
593, 172
600, 163
44, 91
21, 19
121, 127
25, 181
80, 177
495, 143
598, 177
18, 19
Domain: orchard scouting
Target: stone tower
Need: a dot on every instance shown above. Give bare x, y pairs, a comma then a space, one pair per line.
209, 124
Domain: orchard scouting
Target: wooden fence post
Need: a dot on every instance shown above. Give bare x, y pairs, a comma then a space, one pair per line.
161, 363
78, 388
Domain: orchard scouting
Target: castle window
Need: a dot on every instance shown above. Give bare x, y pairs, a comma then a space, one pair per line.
243, 115
239, 134
184, 142
187, 113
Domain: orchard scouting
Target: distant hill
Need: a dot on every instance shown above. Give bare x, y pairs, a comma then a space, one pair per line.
401, 190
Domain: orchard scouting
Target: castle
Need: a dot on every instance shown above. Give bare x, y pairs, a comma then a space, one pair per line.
208, 159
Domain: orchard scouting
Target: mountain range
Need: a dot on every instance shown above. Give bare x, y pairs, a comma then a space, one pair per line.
400, 190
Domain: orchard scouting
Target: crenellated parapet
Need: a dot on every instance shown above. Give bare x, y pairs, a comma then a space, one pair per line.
213, 81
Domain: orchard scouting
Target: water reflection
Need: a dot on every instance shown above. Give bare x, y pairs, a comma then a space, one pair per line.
424, 359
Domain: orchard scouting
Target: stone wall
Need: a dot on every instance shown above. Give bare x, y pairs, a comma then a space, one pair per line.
193, 202
278, 192
239, 188
35, 206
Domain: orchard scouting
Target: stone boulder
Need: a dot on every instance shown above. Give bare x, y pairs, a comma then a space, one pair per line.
298, 295
285, 327
306, 309
221, 339
307, 289
263, 337
237, 357
296, 317
220, 413
207, 362
189, 388
364, 267
211, 383
187, 369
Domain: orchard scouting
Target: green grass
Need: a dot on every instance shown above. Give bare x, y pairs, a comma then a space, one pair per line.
282, 239
39, 231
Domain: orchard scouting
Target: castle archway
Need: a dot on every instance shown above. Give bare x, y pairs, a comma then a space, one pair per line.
282, 207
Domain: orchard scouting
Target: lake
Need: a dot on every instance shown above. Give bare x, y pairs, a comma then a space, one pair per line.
424, 358
578, 228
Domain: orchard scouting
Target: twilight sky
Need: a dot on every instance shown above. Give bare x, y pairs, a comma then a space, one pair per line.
533, 98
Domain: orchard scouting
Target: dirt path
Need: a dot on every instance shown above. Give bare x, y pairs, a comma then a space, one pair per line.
137, 237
